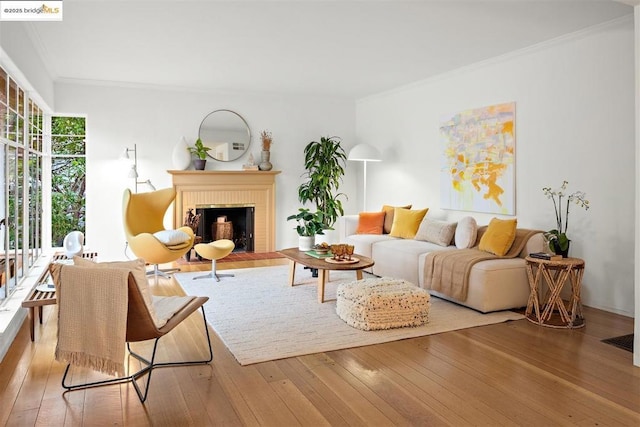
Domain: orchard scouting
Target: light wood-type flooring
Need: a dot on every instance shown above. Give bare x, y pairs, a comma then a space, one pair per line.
514, 373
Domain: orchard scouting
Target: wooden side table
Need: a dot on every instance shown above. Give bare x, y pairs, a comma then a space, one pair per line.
38, 298
553, 311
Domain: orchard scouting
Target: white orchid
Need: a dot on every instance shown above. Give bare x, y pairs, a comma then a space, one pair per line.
578, 197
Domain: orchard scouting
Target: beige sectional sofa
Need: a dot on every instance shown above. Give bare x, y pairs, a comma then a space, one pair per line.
496, 284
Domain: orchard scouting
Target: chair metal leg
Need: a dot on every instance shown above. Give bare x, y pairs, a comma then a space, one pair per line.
147, 369
162, 271
214, 273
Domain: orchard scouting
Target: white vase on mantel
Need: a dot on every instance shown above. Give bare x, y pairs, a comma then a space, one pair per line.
180, 157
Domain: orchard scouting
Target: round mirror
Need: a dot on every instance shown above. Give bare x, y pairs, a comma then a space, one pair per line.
226, 133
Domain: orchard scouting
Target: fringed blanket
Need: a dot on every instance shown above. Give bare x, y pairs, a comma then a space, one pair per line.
92, 317
447, 272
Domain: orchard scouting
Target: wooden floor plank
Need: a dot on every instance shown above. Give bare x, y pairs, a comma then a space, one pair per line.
515, 373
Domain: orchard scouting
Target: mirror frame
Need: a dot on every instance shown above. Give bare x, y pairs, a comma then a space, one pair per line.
248, 142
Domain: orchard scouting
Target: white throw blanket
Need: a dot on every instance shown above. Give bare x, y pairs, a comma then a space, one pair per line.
92, 317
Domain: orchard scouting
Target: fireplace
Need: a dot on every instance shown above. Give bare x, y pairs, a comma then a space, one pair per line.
232, 222
197, 189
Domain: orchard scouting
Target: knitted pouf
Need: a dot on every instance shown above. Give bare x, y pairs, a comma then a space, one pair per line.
382, 303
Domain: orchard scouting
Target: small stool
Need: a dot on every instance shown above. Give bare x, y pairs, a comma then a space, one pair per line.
215, 250
382, 303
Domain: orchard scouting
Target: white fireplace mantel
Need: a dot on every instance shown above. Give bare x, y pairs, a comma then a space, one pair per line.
230, 188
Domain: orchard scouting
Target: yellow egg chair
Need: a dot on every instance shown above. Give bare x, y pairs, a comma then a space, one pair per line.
143, 221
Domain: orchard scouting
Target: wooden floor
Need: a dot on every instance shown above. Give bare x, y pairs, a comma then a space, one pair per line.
514, 373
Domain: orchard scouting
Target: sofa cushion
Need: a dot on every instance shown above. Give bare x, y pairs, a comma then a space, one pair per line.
402, 258
363, 242
436, 231
389, 212
497, 284
370, 222
466, 232
406, 222
499, 236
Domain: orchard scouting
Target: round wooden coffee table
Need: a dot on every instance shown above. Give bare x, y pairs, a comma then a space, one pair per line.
297, 256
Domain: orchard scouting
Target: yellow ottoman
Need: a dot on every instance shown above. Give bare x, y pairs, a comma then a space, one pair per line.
382, 303
215, 250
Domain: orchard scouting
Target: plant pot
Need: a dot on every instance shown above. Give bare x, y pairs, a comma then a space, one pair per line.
199, 164
305, 243
558, 251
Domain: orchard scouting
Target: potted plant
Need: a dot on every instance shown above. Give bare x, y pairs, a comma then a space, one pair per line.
324, 161
200, 151
309, 224
557, 238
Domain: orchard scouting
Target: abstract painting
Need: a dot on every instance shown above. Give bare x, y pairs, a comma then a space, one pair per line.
478, 161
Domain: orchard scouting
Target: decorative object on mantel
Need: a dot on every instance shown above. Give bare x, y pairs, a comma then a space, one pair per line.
265, 155
200, 151
180, 157
251, 164
557, 238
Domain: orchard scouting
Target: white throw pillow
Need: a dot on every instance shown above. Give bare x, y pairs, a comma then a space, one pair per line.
436, 231
466, 232
171, 237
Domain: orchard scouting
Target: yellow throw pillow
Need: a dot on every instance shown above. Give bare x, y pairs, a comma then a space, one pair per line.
499, 236
370, 223
406, 222
388, 216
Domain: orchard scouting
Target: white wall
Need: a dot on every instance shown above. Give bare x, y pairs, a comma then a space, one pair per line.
25, 63
574, 121
156, 120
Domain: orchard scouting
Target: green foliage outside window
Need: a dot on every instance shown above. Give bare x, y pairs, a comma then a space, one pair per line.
68, 177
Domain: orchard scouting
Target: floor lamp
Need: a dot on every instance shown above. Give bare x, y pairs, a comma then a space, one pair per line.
364, 153
133, 172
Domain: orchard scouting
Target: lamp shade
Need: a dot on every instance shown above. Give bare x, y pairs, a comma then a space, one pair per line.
365, 152
133, 172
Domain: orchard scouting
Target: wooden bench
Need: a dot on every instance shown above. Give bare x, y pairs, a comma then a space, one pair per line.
39, 299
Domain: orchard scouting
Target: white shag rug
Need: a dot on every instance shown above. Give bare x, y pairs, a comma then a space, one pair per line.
259, 317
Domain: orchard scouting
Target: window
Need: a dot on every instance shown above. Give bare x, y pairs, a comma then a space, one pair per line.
68, 177
21, 122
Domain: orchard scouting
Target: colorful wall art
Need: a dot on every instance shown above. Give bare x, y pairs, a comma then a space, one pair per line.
478, 162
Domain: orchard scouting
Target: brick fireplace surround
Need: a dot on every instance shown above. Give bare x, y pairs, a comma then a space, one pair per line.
230, 188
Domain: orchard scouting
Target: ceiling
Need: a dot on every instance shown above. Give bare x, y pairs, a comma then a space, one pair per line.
324, 48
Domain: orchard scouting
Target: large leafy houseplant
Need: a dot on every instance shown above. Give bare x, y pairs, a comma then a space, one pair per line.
558, 240
324, 161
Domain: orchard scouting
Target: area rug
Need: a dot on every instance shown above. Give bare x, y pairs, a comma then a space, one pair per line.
259, 317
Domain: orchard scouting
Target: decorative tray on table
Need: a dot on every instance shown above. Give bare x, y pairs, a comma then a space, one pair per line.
353, 260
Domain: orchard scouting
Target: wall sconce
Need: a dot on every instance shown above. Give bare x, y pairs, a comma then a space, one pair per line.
133, 172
